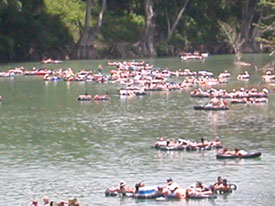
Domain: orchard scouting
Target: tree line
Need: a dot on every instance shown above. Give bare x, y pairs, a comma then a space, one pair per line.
89, 29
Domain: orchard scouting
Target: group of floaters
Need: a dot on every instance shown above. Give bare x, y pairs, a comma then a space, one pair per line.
139, 78
195, 55
172, 190
51, 61
222, 93
149, 79
185, 144
244, 76
87, 97
242, 96
67, 75
188, 145
47, 202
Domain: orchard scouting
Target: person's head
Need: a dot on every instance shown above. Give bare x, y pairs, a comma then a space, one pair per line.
236, 149
34, 202
161, 139
202, 140
138, 185
217, 138
224, 181
46, 199
219, 179
122, 184
167, 142
198, 184
72, 201
160, 188
169, 181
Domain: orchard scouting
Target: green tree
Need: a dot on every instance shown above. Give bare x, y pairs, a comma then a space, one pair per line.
267, 26
71, 13
27, 32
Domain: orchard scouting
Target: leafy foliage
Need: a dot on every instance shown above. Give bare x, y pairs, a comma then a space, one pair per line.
267, 26
33, 29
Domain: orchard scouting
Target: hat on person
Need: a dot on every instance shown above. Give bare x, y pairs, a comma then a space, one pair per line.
122, 183
71, 200
265, 90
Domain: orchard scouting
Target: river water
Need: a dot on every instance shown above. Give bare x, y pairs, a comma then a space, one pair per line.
51, 144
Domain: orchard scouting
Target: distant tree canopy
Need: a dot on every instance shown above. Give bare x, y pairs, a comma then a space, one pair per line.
37, 29
267, 26
27, 32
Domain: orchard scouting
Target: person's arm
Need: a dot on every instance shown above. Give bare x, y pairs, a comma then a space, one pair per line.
113, 189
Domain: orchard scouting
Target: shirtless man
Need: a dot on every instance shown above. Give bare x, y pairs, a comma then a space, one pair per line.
122, 188
222, 187
214, 101
173, 188
199, 190
46, 201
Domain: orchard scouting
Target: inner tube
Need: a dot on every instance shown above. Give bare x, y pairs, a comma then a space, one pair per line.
153, 195
116, 194
210, 108
171, 148
233, 186
213, 196
200, 95
152, 89
101, 98
84, 99
227, 190
140, 93
143, 193
185, 148
250, 155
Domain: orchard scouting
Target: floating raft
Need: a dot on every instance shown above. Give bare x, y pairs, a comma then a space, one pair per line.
250, 155
210, 108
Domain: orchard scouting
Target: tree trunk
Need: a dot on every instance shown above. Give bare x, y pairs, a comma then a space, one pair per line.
146, 46
176, 22
85, 47
250, 15
150, 29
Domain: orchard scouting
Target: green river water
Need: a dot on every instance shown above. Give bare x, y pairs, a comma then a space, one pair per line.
51, 144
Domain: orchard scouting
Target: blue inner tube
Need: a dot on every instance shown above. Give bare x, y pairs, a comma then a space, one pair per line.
143, 194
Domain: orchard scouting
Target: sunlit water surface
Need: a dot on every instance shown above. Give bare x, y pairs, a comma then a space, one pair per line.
51, 144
